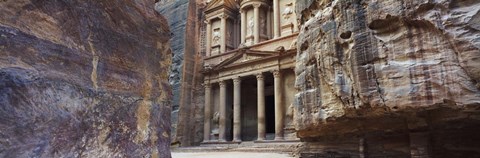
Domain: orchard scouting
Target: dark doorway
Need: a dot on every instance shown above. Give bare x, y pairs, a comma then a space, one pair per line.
270, 114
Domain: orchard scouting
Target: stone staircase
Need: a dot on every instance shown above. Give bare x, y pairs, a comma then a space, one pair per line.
248, 146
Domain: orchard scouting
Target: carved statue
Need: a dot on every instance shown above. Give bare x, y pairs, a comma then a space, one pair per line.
250, 26
216, 120
216, 117
288, 11
216, 37
263, 24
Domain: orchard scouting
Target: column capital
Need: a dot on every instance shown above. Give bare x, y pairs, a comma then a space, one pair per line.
241, 11
224, 16
276, 73
260, 76
237, 80
222, 83
208, 21
207, 85
257, 5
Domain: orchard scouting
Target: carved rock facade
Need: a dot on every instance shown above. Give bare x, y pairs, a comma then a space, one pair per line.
83, 78
388, 78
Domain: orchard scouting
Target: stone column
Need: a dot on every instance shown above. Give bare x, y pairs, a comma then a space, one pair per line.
208, 112
256, 26
223, 32
269, 23
278, 105
261, 107
276, 19
243, 29
237, 122
209, 38
223, 112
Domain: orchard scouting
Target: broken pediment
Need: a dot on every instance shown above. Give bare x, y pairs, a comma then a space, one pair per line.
245, 56
214, 5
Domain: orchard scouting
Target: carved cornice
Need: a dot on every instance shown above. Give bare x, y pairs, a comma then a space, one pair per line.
256, 5
253, 3
208, 21
224, 16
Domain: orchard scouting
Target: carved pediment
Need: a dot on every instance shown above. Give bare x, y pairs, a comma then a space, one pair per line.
243, 57
218, 4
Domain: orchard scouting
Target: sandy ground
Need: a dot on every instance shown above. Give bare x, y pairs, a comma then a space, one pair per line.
229, 155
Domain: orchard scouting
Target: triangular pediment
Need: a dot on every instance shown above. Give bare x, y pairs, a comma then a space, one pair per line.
244, 57
218, 4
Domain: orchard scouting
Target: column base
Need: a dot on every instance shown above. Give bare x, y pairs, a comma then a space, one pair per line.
237, 141
220, 142
279, 138
261, 139
278, 141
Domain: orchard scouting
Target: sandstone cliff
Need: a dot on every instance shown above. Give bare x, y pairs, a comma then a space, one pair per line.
191, 110
365, 66
175, 11
83, 78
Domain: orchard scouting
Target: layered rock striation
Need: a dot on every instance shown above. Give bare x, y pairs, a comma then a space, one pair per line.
401, 77
84, 78
175, 11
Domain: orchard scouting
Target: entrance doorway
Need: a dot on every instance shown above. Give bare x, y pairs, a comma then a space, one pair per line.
270, 117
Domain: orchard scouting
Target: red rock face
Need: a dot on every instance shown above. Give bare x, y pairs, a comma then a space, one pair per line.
83, 78
367, 69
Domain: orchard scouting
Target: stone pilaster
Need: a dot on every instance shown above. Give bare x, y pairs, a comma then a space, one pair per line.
223, 28
237, 136
256, 28
209, 38
276, 19
223, 112
278, 105
243, 28
208, 112
261, 107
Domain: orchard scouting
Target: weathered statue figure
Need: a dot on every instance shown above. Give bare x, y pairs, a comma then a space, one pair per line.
263, 26
250, 26
288, 11
215, 119
216, 37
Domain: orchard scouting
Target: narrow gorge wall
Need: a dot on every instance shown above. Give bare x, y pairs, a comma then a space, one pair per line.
84, 78
395, 78
186, 21
175, 11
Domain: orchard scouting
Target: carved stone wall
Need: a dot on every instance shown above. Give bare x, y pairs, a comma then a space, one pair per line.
378, 70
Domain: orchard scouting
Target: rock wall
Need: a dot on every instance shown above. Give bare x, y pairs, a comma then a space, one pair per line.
389, 78
190, 115
84, 78
175, 11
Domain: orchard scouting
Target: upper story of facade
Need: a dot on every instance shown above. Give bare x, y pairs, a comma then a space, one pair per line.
257, 25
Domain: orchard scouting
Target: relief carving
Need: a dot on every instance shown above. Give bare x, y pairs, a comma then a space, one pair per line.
250, 26
288, 11
216, 37
263, 24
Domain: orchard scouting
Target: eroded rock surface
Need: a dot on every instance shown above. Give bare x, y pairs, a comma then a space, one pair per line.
175, 11
387, 66
83, 78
